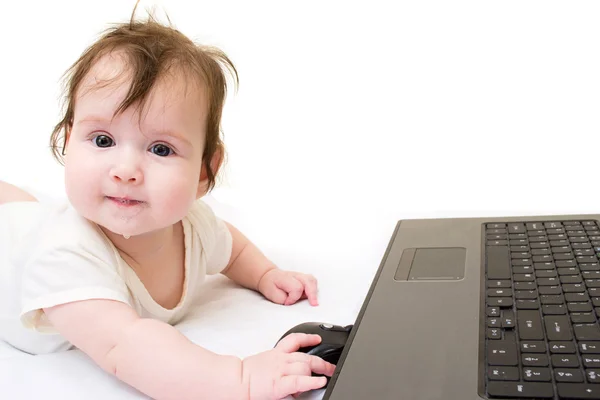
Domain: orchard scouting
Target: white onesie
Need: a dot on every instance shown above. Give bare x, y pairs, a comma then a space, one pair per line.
50, 255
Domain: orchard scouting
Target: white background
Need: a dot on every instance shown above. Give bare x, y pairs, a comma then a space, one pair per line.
416, 109
349, 116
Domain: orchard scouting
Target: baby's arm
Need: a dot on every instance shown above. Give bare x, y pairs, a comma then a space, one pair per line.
149, 355
248, 264
250, 268
10, 193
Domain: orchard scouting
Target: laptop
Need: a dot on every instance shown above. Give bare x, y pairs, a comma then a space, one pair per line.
472, 308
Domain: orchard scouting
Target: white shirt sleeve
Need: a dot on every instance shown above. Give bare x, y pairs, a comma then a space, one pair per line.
214, 236
68, 261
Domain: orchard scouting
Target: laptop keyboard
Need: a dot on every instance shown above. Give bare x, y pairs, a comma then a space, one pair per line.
542, 302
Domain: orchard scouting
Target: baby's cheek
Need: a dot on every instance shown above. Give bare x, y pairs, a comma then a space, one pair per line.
178, 196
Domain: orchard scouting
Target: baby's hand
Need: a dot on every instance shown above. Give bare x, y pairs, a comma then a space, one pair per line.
282, 371
287, 287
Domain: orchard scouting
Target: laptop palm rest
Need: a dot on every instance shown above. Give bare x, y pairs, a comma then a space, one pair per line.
445, 263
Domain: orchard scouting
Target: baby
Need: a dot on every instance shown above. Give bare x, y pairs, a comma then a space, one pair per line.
112, 269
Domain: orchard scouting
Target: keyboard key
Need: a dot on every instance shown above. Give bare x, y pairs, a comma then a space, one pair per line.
534, 360
577, 297
516, 228
531, 346
523, 390
577, 391
554, 309
499, 292
586, 331
591, 360
500, 302
557, 327
565, 361
546, 273
526, 269
527, 305
548, 281
555, 231
582, 318
503, 283
503, 373
529, 324
524, 278
589, 347
593, 375
562, 348
551, 299
574, 288
508, 319
502, 352
589, 267
580, 307
493, 311
570, 279
526, 294
494, 333
517, 236
498, 266
568, 375
534, 226
539, 245
568, 271
536, 374
528, 286
566, 263
549, 290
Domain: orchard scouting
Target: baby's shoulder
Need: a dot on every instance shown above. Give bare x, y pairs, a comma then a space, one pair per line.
58, 227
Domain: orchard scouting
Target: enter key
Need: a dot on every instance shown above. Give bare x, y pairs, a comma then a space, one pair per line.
557, 327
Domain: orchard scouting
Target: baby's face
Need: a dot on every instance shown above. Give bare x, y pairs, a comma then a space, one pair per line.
155, 163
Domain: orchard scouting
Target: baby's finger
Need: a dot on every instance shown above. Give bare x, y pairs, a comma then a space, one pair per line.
310, 288
293, 287
297, 368
320, 366
292, 384
276, 295
294, 341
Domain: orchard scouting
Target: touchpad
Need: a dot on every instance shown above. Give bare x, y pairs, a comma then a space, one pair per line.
441, 263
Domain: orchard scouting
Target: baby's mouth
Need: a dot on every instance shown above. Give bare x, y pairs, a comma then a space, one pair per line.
124, 201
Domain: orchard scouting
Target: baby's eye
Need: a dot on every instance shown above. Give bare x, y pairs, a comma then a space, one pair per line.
103, 141
161, 150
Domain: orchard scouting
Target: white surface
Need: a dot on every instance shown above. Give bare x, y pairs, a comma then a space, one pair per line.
350, 115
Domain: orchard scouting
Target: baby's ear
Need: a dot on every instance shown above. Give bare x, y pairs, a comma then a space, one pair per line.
215, 165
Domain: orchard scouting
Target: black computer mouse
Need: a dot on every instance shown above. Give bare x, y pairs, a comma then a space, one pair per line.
333, 340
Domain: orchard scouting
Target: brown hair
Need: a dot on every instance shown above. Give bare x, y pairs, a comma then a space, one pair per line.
151, 50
